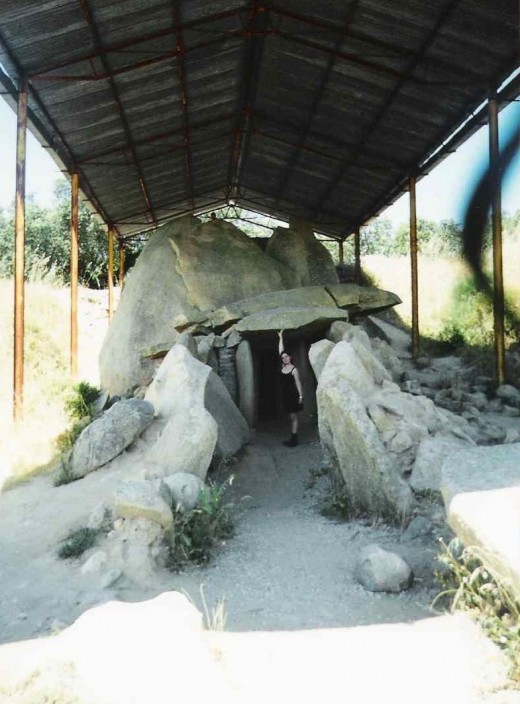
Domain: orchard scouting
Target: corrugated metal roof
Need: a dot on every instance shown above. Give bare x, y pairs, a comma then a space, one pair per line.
321, 109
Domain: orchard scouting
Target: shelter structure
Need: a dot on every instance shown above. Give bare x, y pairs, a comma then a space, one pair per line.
324, 110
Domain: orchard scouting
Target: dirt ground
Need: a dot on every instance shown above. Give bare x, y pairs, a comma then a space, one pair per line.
286, 580
298, 625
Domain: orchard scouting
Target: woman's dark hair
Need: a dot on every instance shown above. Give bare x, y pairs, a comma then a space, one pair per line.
289, 355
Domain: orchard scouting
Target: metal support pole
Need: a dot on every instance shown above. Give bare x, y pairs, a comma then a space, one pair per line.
340, 251
121, 264
357, 255
19, 254
413, 261
74, 256
110, 272
496, 219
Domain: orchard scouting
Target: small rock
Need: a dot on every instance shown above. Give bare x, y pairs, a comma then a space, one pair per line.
185, 490
509, 394
141, 500
417, 528
380, 570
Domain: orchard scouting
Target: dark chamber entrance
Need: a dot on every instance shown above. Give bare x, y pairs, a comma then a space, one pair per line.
267, 368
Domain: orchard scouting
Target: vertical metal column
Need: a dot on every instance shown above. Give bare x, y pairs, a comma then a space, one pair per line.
121, 264
496, 219
413, 261
110, 272
74, 256
19, 254
357, 255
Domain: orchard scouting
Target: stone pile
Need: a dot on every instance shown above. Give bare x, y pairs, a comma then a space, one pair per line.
384, 441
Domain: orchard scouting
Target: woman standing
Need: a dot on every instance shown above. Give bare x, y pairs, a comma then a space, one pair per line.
292, 394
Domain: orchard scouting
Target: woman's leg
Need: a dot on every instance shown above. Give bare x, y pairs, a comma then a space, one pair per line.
294, 423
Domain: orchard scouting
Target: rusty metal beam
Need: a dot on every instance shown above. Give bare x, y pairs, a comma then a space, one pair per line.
19, 254
335, 143
257, 25
159, 137
357, 255
56, 140
122, 256
414, 268
396, 51
134, 41
108, 73
287, 173
496, 221
337, 177
119, 106
434, 156
110, 272
74, 255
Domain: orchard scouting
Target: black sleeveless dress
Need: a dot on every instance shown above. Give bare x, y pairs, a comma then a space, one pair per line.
290, 394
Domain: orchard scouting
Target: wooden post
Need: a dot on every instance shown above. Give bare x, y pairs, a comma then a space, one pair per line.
496, 219
121, 264
340, 251
19, 254
357, 255
110, 272
414, 268
74, 256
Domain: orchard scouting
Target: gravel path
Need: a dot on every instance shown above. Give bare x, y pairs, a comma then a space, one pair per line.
298, 625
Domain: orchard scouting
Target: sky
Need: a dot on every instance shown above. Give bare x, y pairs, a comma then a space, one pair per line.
440, 196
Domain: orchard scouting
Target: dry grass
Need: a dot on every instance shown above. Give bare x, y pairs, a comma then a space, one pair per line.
437, 279
28, 446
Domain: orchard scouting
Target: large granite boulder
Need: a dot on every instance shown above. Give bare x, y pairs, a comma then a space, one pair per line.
185, 268
154, 292
185, 390
307, 296
109, 435
306, 262
362, 298
295, 318
219, 264
351, 439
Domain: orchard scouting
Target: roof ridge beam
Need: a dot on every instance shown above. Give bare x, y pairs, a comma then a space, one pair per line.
255, 34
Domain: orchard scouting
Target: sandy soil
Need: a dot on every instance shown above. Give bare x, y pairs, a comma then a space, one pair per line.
294, 610
298, 624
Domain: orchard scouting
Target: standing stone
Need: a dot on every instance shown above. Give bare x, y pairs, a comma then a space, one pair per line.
318, 355
246, 382
227, 370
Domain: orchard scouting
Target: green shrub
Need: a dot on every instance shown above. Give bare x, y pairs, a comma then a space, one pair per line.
195, 533
470, 586
77, 541
79, 405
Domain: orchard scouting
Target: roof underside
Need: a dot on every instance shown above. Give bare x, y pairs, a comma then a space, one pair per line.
297, 107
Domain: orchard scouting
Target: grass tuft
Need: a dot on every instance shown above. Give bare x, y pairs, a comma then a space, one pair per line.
196, 533
77, 542
468, 585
